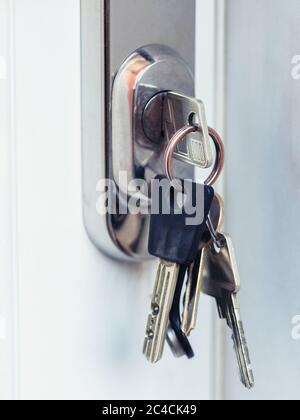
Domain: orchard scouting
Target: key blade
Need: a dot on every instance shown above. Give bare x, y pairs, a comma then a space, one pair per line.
217, 212
197, 270
192, 296
161, 304
221, 308
221, 271
174, 343
235, 322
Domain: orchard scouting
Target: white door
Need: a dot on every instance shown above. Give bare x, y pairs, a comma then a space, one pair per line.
262, 184
71, 320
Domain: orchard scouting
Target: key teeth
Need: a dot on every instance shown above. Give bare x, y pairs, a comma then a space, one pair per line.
148, 343
158, 318
247, 377
240, 342
252, 380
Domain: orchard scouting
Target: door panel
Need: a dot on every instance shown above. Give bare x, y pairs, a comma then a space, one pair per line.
8, 307
262, 187
81, 316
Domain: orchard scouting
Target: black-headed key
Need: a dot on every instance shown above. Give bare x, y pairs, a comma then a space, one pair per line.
176, 338
175, 235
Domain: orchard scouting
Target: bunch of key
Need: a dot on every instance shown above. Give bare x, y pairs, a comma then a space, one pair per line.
193, 259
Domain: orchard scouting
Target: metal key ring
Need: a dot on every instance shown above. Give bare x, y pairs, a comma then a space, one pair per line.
178, 137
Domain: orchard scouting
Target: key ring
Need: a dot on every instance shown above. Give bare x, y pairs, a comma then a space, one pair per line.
178, 137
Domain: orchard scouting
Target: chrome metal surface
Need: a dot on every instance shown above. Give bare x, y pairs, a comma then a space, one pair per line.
146, 72
118, 74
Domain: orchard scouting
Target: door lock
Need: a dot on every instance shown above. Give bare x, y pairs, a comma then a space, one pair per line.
131, 108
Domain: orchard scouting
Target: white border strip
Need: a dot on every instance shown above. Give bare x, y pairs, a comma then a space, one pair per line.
210, 87
14, 204
220, 124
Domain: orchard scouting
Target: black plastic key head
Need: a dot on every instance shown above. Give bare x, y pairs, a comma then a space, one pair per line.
178, 220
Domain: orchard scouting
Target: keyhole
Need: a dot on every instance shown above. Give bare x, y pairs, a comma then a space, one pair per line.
194, 120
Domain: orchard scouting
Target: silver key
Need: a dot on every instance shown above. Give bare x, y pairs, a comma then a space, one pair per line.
191, 299
194, 285
221, 280
230, 310
174, 343
158, 320
196, 149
